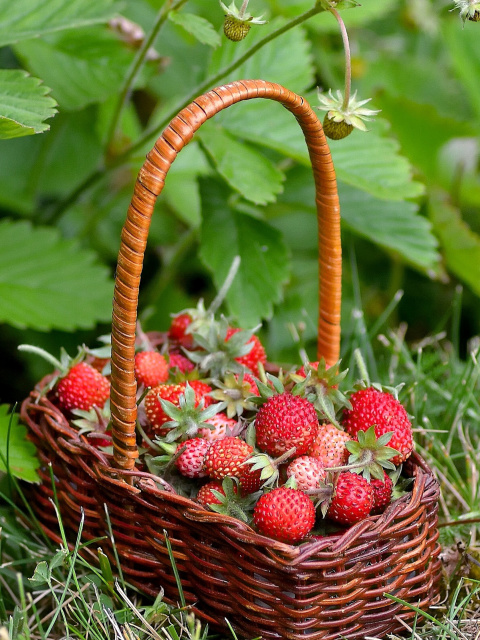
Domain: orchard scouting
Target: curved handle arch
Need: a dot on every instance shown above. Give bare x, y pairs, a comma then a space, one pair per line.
149, 185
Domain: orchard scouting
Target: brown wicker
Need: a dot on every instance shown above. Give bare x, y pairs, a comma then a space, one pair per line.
327, 588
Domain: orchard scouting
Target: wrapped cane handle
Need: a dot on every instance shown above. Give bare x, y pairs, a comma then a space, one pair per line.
148, 187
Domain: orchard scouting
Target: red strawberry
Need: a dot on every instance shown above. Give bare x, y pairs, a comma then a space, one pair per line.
190, 461
308, 472
220, 423
352, 500
285, 421
82, 388
284, 514
256, 354
329, 445
225, 457
205, 495
151, 368
313, 365
201, 389
382, 493
153, 409
177, 330
379, 408
178, 361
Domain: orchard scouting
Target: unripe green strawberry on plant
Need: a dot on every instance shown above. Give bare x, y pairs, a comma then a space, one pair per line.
151, 368
371, 407
352, 499
237, 23
284, 514
307, 471
285, 421
191, 456
76, 384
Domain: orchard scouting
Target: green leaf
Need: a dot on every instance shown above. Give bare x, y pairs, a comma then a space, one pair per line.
41, 575
24, 104
264, 264
465, 54
461, 246
197, 26
22, 460
395, 226
421, 131
25, 19
81, 66
245, 170
47, 282
286, 60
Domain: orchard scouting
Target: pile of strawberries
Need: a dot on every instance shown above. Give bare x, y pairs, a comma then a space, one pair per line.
290, 453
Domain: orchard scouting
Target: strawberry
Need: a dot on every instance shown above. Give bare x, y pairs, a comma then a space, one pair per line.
220, 423
255, 356
308, 472
205, 495
180, 362
336, 130
284, 514
371, 407
177, 330
225, 457
151, 368
285, 421
382, 493
82, 388
352, 500
155, 414
328, 445
190, 460
311, 365
235, 29
202, 390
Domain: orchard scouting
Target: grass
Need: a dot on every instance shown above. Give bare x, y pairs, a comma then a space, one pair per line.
48, 592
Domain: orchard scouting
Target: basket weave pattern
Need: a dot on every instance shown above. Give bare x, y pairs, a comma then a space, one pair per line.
323, 589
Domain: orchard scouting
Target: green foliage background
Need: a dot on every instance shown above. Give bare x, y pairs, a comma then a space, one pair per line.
83, 100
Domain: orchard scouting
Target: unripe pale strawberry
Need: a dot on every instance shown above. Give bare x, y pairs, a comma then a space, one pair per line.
308, 472
220, 423
329, 445
190, 461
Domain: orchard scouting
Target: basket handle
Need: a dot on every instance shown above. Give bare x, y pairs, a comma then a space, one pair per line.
149, 184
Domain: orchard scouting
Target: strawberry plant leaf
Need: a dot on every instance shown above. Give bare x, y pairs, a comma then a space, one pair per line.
26, 19
24, 104
460, 244
81, 66
465, 55
248, 172
48, 282
14, 447
197, 26
226, 233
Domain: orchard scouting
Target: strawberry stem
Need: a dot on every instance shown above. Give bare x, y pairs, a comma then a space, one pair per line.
219, 298
30, 348
348, 59
243, 9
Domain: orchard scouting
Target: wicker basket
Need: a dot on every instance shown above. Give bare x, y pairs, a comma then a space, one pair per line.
333, 587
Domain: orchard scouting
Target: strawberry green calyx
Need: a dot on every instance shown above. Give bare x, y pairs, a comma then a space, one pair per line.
319, 385
268, 466
232, 502
236, 391
469, 10
369, 456
238, 21
342, 118
188, 417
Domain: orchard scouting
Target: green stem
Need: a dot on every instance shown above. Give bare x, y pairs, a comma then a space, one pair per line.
243, 9
30, 348
137, 63
210, 82
348, 58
